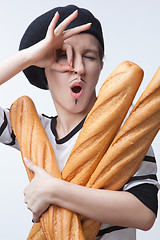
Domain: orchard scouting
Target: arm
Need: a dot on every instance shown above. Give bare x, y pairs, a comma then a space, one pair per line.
113, 207
42, 53
13, 65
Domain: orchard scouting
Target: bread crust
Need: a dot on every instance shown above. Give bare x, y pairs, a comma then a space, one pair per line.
131, 144
34, 145
104, 166
102, 123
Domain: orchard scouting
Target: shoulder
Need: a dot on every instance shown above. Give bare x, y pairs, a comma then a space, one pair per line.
46, 120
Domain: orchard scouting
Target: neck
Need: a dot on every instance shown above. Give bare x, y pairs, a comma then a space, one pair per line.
66, 124
67, 121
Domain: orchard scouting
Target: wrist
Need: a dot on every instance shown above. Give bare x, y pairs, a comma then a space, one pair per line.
25, 58
56, 189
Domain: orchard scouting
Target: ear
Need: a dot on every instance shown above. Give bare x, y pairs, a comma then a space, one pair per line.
102, 63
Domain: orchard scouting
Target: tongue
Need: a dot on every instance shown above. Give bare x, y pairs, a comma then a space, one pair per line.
76, 89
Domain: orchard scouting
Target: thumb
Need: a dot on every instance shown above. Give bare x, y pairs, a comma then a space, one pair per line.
30, 165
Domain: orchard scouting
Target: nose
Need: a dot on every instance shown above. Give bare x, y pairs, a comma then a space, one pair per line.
78, 65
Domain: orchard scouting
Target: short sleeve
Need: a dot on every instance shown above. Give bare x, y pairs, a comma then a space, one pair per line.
6, 133
144, 184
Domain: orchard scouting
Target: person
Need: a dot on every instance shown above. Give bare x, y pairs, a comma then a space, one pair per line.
62, 51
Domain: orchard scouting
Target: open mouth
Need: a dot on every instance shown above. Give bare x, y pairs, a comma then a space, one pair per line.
76, 89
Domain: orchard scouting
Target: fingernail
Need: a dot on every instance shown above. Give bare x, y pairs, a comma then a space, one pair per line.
26, 159
75, 11
71, 64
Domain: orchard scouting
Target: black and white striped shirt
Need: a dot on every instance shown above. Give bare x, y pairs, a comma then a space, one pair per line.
143, 184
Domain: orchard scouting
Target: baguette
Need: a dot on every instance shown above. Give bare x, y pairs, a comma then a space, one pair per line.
113, 102
34, 145
118, 91
128, 149
36, 232
143, 121
102, 123
131, 144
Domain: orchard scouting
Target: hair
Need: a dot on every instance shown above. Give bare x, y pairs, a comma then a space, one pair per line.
101, 52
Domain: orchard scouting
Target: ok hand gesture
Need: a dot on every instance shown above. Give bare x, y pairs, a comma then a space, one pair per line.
43, 53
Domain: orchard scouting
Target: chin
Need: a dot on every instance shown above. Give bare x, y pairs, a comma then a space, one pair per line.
83, 108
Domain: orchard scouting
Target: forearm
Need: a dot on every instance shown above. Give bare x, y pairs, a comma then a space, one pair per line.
13, 65
112, 207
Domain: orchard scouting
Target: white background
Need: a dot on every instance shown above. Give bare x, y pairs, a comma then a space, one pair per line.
131, 32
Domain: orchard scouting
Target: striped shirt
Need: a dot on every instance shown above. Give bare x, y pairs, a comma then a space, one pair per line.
143, 184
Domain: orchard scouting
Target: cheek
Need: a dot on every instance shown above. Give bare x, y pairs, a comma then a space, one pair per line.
58, 87
54, 82
53, 79
93, 79
94, 74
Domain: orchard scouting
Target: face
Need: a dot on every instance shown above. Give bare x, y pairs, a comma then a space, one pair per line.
75, 91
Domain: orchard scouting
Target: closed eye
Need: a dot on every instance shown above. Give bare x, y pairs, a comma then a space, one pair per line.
90, 57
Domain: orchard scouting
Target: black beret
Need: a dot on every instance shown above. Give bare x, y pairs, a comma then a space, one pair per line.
37, 31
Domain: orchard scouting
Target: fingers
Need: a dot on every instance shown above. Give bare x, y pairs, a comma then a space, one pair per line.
53, 23
36, 214
55, 40
30, 165
69, 52
61, 68
35, 219
73, 31
62, 26
32, 206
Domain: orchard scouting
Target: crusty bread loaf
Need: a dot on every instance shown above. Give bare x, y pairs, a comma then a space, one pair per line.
101, 125
117, 93
31, 137
34, 145
36, 232
103, 121
133, 141
131, 144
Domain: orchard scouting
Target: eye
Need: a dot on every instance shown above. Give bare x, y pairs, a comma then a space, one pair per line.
61, 55
89, 57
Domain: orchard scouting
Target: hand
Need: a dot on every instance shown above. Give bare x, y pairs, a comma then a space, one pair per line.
37, 194
43, 53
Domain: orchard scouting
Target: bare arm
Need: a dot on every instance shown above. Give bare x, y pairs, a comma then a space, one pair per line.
13, 65
42, 53
112, 207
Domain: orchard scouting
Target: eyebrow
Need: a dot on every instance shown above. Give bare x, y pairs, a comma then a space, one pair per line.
88, 50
